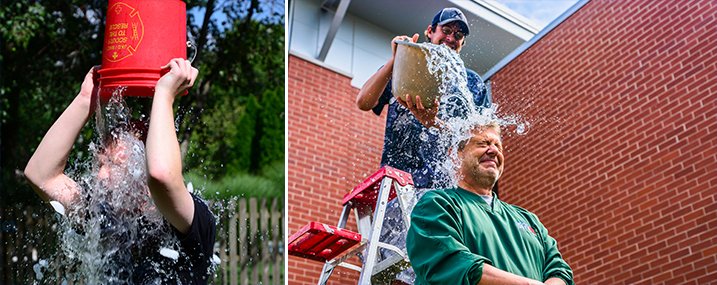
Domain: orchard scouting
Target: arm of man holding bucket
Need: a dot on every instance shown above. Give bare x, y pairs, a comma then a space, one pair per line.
373, 88
164, 162
45, 169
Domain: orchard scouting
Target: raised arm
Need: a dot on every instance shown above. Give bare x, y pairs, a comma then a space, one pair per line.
371, 90
164, 161
45, 169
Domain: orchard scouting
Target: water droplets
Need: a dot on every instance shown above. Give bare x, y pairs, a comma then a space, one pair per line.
38, 267
114, 218
522, 128
216, 260
169, 253
190, 187
459, 112
58, 207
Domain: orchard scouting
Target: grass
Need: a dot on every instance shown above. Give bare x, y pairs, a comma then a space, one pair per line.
269, 184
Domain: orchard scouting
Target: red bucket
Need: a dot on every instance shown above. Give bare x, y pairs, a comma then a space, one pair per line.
141, 37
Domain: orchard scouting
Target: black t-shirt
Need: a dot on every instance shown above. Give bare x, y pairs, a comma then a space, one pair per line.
195, 253
196, 248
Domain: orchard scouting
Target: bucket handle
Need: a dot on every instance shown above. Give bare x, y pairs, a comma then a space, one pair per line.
190, 44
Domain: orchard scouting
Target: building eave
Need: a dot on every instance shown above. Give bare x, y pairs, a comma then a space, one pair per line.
525, 46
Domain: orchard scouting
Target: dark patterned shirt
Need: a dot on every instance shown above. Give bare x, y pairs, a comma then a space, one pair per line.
410, 146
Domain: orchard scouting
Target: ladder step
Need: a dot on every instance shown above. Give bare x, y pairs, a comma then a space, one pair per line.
367, 191
321, 242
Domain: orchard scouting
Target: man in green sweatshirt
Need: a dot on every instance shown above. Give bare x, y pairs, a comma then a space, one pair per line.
465, 235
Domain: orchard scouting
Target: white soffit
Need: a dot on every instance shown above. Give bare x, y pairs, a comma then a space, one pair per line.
500, 16
495, 29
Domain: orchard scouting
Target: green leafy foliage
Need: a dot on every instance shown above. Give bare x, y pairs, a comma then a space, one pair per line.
246, 134
47, 49
269, 183
272, 118
244, 145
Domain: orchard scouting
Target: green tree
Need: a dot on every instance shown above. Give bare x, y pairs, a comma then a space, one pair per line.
272, 118
47, 48
247, 131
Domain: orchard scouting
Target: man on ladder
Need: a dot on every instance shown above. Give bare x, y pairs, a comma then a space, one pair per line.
407, 123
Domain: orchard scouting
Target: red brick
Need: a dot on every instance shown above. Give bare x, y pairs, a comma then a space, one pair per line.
660, 279
309, 130
710, 252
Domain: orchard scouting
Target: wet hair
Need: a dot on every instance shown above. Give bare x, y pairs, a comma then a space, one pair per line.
492, 124
139, 128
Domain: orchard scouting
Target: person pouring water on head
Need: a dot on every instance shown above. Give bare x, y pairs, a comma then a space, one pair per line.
188, 218
408, 144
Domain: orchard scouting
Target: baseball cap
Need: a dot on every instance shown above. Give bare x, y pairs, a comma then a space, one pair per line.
451, 14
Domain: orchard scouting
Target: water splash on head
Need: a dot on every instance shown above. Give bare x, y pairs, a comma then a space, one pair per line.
458, 110
113, 234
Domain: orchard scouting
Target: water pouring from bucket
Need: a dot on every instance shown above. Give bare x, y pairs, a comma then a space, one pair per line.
113, 229
432, 101
436, 73
124, 213
429, 71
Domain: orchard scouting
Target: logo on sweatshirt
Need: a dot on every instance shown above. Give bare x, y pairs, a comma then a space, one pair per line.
526, 227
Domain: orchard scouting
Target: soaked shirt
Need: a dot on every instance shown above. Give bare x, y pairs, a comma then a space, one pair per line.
409, 146
196, 247
138, 259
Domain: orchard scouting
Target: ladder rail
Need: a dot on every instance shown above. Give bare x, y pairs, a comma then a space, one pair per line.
370, 200
406, 199
379, 215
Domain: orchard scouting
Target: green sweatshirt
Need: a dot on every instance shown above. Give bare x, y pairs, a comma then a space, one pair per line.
454, 232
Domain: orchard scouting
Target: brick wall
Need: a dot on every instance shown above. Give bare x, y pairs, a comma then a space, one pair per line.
333, 146
620, 162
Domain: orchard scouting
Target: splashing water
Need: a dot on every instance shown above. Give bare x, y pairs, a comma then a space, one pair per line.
113, 233
38, 268
445, 63
58, 207
458, 110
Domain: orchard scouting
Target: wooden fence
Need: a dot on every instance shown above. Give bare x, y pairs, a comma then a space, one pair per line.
249, 244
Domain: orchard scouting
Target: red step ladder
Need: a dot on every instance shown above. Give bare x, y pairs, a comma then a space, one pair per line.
323, 243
